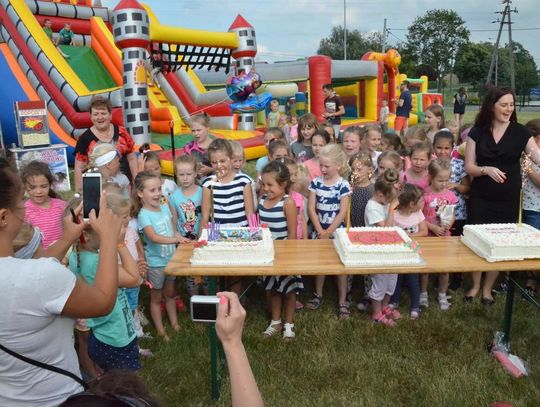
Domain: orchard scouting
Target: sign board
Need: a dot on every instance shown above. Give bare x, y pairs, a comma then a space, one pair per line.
32, 126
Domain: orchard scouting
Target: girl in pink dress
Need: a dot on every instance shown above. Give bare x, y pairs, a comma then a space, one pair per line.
417, 174
319, 139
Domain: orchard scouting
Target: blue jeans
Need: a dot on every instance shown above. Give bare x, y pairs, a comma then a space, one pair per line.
413, 281
531, 218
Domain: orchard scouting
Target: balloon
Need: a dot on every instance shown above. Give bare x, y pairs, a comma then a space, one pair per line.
252, 104
240, 87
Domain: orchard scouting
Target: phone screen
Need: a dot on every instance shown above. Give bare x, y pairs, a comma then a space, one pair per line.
204, 312
91, 194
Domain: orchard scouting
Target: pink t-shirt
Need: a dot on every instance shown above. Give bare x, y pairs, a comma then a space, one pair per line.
422, 183
314, 169
48, 220
433, 201
299, 202
409, 223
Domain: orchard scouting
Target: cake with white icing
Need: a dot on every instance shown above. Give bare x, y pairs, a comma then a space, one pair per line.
503, 241
238, 246
376, 246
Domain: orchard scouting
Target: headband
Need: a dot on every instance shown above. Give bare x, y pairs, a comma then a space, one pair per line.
105, 158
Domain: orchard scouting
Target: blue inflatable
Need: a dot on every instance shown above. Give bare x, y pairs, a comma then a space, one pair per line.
252, 104
241, 90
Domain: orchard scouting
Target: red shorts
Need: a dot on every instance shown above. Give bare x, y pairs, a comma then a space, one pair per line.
400, 123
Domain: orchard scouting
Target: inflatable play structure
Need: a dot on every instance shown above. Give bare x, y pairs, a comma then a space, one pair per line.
156, 76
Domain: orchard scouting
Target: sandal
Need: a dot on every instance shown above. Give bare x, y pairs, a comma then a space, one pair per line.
288, 332
392, 313
315, 303
384, 320
274, 328
343, 311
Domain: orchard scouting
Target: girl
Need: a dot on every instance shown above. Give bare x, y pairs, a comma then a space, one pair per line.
293, 129
112, 343
200, 127
186, 206
277, 150
44, 209
387, 160
351, 140
271, 135
371, 140
284, 121
417, 174
408, 216
152, 164
415, 134
437, 196
380, 212
297, 197
106, 159
301, 148
434, 120
362, 187
239, 157
318, 141
272, 120
278, 210
391, 142
327, 207
156, 225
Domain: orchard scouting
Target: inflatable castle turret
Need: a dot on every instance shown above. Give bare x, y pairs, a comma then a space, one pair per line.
245, 61
132, 35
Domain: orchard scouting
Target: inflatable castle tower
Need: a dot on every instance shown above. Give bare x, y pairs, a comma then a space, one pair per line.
132, 35
245, 61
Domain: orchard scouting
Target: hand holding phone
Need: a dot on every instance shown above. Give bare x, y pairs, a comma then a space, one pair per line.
91, 193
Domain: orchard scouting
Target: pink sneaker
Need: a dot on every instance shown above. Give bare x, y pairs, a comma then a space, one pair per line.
391, 313
299, 305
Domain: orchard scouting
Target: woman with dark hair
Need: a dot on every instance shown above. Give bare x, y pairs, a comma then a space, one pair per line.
460, 100
492, 158
37, 296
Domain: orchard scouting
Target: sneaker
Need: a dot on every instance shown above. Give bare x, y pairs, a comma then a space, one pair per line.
273, 329
444, 305
415, 314
363, 305
288, 331
424, 301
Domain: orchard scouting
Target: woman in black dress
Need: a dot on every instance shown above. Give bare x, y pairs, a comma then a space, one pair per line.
460, 100
492, 158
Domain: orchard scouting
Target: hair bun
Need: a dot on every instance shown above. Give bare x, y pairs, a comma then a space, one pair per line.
391, 175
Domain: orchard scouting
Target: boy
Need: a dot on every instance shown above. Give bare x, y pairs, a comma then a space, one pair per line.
333, 109
65, 36
383, 116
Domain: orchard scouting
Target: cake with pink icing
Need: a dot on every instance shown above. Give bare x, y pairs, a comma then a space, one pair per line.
503, 241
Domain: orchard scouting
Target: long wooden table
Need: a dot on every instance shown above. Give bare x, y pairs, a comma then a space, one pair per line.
318, 257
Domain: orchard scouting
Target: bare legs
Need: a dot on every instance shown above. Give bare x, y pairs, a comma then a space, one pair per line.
170, 306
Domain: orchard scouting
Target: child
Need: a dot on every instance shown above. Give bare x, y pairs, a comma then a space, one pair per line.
417, 174
319, 139
278, 210
152, 164
299, 199
272, 134
408, 216
362, 187
200, 127
327, 207
383, 115
284, 126
272, 120
65, 36
391, 142
351, 140
112, 343
277, 150
44, 209
293, 129
453, 128
371, 140
413, 135
301, 148
434, 120
106, 159
437, 196
186, 204
157, 227
387, 160
379, 212
239, 157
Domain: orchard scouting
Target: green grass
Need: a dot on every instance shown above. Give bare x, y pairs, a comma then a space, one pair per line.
523, 117
439, 360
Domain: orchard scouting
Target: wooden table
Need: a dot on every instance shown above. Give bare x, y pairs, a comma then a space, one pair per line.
318, 257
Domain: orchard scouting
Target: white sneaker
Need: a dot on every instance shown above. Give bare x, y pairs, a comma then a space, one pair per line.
424, 301
288, 332
444, 305
142, 318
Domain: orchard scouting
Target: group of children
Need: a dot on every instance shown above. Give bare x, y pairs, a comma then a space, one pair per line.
301, 191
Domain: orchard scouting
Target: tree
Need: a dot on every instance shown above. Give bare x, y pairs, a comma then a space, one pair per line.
435, 39
357, 43
472, 62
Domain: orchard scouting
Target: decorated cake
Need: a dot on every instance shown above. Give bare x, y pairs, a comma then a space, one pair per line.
376, 246
238, 246
503, 241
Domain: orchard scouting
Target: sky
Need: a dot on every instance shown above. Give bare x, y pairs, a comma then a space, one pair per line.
290, 29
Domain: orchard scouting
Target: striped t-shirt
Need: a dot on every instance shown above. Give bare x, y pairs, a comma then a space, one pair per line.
275, 218
328, 199
228, 200
48, 220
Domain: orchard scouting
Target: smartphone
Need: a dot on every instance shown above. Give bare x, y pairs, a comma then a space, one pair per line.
204, 308
91, 193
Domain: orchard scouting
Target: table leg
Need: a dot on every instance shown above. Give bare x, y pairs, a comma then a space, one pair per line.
508, 307
213, 347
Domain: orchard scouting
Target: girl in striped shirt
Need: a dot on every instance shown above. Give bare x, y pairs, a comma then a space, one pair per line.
327, 207
278, 211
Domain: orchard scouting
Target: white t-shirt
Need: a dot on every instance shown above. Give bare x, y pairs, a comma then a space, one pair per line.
375, 213
33, 294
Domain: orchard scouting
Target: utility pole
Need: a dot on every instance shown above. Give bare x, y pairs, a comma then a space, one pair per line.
494, 55
345, 30
383, 45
